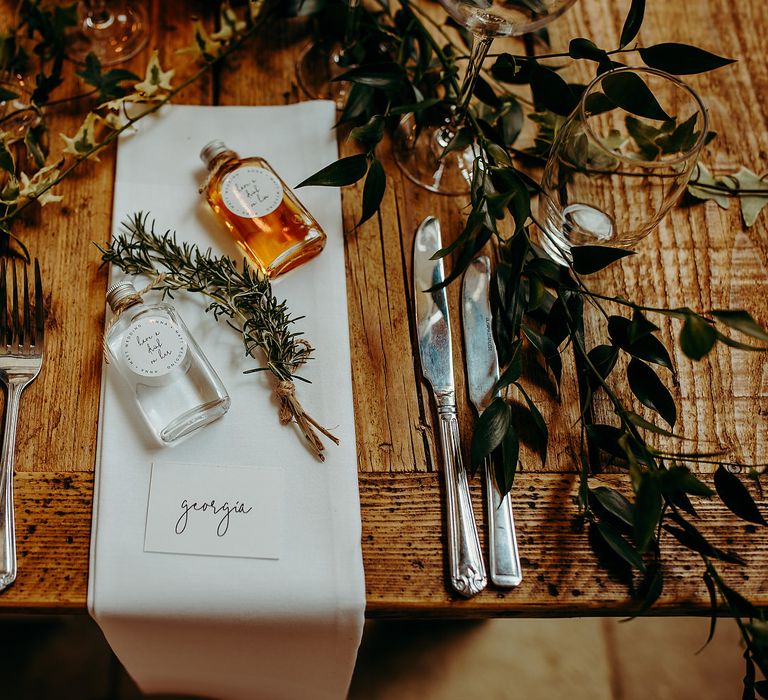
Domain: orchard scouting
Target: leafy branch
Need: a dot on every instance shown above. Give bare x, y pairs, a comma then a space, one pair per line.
237, 295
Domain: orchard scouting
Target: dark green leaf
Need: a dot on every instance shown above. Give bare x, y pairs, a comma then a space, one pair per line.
6, 158
591, 258
606, 437
683, 138
682, 59
619, 545
691, 538
359, 99
651, 589
697, 337
614, 503
710, 584
741, 321
507, 70
34, 147
539, 424
373, 190
461, 139
514, 369
551, 91
603, 358
647, 511
548, 350
6, 94
584, 48
738, 602
345, 171
736, 496
682, 479
632, 23
370, 133
485, 93
490, 429
415, 107
647, 347
649, 390
629, 91
512, 120
381, 76
640, 422
640, 327
510, 455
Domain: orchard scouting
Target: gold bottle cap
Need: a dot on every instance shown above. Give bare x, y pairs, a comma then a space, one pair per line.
211, 150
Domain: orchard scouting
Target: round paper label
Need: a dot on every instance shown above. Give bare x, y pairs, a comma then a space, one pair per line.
154, 346
251, 192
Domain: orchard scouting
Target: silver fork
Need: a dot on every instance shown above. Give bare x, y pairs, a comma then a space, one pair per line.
21, 357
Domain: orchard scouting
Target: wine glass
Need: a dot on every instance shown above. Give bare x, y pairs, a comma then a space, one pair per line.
323, 60
113, 30
420, 149
621, 160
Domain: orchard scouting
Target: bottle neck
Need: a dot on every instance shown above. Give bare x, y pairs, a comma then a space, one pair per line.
220, 159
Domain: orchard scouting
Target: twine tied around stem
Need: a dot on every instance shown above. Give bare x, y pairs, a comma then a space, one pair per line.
291, 409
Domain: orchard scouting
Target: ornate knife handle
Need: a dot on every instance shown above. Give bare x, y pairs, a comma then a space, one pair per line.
504, 556
465, 560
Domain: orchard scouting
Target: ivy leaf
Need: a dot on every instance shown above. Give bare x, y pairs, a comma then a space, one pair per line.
697, 337
682, 59
647, 510
632, 23
373, 190
345, 171
701, 176
629, 92
736, 496
751, 204
615, 503
619, 545
649, 390
740, 320
490, 430
108, 84
592, 258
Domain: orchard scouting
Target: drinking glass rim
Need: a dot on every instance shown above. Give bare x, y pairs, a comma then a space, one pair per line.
581, 110
528, 27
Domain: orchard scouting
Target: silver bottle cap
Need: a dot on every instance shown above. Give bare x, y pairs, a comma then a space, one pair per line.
117, 291
211, 150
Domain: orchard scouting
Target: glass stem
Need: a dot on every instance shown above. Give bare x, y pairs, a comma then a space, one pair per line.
480, 47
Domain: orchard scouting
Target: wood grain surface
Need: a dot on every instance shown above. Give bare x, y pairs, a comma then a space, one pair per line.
700, 257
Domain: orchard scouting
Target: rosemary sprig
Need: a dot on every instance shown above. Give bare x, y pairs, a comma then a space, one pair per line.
237, 295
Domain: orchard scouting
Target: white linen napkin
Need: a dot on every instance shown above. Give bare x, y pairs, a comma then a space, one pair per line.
223, 627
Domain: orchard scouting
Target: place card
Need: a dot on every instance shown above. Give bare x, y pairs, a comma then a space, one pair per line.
214, 510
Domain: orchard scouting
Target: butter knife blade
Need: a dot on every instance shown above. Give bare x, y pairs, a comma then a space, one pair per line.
465, 561
482, 374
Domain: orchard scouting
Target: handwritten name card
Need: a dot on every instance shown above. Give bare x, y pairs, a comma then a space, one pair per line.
214, 510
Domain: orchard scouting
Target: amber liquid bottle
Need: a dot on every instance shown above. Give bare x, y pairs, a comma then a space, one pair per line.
268, 222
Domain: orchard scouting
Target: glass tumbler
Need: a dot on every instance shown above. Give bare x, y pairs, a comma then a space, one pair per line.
620, 161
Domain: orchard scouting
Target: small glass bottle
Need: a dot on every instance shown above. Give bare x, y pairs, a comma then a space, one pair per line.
176, 389
270, 225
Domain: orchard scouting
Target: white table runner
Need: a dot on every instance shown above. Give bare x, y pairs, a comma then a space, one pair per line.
223, 627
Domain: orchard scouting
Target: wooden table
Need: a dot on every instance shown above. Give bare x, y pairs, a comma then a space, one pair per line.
701, 257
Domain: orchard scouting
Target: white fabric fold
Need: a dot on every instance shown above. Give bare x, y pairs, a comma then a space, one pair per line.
236, 628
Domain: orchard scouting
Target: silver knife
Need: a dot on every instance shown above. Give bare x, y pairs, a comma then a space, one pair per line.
482, 375
433, 325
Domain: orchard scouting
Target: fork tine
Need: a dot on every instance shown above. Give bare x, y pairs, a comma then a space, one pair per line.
28, 341
15, 325
39, 311
3, 306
